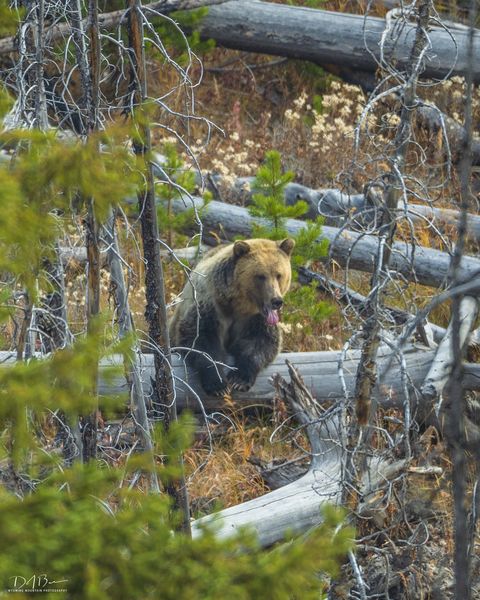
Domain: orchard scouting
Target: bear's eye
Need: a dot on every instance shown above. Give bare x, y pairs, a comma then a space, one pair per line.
260, 278
279, 276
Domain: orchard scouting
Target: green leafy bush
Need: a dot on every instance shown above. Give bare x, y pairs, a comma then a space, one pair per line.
41, 186
9, 19
103, 541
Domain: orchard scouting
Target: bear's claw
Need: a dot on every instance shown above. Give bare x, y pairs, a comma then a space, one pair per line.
237, 383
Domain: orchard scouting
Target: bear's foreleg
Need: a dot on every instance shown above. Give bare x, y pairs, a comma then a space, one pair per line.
200, 331
254, 347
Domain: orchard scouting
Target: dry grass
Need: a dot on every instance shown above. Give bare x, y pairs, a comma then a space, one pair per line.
221, 468
222, 473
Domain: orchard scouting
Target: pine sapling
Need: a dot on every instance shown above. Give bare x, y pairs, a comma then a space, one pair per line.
268, 203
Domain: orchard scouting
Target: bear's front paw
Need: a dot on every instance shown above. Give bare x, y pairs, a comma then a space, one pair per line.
239, 383
215, 387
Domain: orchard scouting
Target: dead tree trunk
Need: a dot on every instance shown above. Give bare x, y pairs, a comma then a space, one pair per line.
156, 311
88, 61
456, 416
132, 361
366, 374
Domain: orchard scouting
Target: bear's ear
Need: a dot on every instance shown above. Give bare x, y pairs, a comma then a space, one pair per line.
240, 248
287, 245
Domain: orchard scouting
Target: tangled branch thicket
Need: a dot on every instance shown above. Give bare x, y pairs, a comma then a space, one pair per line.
91, 80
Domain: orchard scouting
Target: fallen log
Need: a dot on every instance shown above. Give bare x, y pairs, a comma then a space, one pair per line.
337, 207
297, 506
426, 266
320, 371
325, 37
78, 254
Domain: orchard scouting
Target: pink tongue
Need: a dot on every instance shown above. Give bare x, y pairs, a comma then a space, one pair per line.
272, 317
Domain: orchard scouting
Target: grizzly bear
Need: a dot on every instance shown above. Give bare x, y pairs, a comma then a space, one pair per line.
229, 308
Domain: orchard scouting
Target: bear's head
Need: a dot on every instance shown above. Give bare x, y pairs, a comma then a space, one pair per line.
262, 276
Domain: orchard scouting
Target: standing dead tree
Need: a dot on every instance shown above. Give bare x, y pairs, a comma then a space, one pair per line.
88, 61
393, 191
464, 312
156, 309
132, 359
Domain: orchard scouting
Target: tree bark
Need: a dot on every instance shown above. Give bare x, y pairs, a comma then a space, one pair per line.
90, 99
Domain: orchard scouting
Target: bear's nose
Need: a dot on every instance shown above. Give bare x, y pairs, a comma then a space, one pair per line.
277, 303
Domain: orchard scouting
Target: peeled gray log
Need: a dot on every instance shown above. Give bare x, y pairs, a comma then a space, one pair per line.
78, 254
338, 206
319, 371
442, 365
325, 37
296, 507
426, 266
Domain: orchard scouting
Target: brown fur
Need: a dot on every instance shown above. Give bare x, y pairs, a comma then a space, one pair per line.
224, 311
